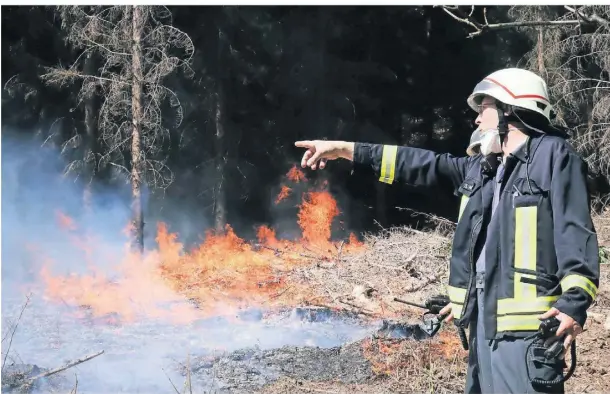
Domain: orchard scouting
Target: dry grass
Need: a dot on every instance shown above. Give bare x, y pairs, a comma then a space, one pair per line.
602, 226
399, 262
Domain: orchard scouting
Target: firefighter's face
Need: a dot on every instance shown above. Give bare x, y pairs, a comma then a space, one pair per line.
488, 115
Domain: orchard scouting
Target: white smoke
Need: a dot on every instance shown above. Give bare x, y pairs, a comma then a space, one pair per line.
136, 354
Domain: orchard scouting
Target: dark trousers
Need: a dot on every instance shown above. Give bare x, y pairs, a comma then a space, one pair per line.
499, 366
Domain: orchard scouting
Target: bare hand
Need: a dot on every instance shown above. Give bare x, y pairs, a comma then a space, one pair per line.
567, 326
447, 310
319, 151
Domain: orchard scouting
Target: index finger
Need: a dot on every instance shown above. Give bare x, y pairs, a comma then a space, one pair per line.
304, 144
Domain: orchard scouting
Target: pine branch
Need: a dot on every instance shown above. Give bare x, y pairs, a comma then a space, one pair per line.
485, 27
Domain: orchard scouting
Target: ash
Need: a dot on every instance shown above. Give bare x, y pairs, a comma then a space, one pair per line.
250, 369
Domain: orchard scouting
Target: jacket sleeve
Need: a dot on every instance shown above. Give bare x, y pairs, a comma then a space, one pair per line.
412, 166
576, 243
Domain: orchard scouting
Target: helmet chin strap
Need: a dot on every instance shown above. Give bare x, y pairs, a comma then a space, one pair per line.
491, 162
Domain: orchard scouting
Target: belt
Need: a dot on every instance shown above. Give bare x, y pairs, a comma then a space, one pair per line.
480, 280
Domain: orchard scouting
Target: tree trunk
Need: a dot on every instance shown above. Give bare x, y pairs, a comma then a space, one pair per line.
90, 136
220, 209
540, 50
136, 149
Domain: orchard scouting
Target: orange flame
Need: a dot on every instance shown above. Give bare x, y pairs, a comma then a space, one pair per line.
285, 192
222, 274
296, 175
315, 217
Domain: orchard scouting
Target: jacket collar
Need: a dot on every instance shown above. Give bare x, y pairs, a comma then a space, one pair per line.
527, 149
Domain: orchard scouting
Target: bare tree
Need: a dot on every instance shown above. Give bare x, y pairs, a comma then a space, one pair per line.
572, 53
577, 70
139, 48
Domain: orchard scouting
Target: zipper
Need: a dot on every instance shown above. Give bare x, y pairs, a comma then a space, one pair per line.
472, 270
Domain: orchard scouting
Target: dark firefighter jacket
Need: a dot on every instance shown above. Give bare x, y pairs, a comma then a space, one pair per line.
542, 251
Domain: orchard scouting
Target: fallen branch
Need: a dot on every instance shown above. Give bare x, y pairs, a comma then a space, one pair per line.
60, 369
170, 381
74, 390
359, 308
423, 284
481, 28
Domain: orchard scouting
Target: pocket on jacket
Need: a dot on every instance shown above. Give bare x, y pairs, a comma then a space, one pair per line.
534, 277
526, 193
466, 190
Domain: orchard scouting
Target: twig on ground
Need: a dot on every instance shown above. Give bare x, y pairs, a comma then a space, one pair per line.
340, 250
170, 381
27, 301
60, 369
276, 295
359, 308
188, 374
73, 391
423, 284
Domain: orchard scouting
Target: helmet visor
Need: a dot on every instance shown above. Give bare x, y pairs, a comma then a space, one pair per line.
486, 88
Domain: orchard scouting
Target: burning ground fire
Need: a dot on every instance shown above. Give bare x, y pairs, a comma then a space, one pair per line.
220, 276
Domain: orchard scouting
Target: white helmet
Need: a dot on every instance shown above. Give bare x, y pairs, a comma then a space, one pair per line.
519, 88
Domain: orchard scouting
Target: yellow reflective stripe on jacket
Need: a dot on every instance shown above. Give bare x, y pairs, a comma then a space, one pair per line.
463, 204
457, 295
535, 305
525, 250
574, 280
525, 298
518, 323
388, 163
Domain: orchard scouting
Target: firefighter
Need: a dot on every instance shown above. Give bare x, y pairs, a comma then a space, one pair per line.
524, 249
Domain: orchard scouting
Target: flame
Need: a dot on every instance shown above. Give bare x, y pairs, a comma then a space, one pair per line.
223, 274
315, 217
285, 192
296, 175
65, 221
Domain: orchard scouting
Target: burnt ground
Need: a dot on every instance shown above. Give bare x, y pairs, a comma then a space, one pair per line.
248, 370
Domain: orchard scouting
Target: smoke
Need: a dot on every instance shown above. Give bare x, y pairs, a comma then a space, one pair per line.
35, 195
47, 222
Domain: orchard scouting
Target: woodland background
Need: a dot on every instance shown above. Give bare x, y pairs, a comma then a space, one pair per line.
191, 113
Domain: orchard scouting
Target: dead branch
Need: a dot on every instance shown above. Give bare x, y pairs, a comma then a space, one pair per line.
484, 27
74, 390
60, 369
170, 381
423, 284
27, 301
358, 308
188, 382
589, 18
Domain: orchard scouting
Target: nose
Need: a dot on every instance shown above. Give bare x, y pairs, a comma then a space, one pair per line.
477, 121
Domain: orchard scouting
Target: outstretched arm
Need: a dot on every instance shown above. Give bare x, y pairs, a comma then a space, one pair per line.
413, 166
